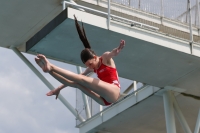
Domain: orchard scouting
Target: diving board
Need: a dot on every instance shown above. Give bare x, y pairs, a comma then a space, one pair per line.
151, 63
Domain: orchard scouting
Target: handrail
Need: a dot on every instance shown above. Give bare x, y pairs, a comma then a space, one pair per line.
133, 23
120, 100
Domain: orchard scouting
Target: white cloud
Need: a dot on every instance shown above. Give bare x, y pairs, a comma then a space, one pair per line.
24, 107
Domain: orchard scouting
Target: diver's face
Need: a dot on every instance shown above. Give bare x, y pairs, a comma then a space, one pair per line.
92, 63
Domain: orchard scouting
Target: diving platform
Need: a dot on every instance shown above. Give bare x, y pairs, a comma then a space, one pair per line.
153, 58
163, 63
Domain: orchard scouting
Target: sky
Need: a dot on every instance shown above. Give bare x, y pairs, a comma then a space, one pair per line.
24, 106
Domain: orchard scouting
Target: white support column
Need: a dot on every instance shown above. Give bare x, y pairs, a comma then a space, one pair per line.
85, 98
101, 108
169, 112
180, 116
197, 124
60, 97
134, 85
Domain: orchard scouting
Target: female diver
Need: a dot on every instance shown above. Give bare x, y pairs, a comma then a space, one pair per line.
105, 90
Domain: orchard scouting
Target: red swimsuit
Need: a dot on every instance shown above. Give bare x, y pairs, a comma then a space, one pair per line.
107, 74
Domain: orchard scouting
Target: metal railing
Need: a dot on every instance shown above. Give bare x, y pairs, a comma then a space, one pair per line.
172, 9
111, 16
184, 11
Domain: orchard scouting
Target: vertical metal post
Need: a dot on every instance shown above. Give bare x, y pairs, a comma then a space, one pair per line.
64, 5
197, 124
134, 85
180, 116
169, 112
98, 2
187, 12
101, 108
198, 16
85, 98
190, 26
108, 14
139, 5
162, 11
60, 97
197, 21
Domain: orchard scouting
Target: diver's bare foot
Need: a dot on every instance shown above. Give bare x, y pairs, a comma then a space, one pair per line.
54, 92
47, 64
40, 63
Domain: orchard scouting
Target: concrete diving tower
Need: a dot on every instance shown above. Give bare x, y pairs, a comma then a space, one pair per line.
149, 57
163, 63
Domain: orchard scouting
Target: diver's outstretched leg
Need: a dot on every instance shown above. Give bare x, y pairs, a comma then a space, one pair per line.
108, 91
67, 82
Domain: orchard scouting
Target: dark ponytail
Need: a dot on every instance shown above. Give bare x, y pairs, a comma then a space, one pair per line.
87, 53
82, 35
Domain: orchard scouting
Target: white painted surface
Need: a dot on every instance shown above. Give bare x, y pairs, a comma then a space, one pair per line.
115, 109
146, 35
86, 18
169, 112
197, 127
